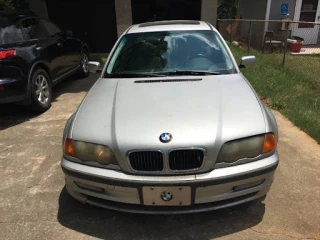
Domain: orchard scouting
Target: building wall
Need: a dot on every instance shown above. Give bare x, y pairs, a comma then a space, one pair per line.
276, 15
123, 15
253, 9
256, 10
209, 11
275, 9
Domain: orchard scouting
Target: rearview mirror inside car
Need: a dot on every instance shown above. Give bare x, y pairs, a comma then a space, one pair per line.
94, 67
247, 61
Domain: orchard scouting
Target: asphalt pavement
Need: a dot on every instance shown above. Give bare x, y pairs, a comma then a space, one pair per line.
35, 205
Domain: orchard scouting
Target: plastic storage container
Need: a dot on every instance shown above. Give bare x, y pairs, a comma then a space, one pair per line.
295, 44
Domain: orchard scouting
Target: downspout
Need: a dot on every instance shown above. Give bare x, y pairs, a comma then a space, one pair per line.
267, 17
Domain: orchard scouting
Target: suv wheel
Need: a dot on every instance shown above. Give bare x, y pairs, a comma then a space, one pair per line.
41, 94
84, 69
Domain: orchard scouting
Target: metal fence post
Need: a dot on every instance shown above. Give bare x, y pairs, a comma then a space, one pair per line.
249, 41
231, 33
285, 45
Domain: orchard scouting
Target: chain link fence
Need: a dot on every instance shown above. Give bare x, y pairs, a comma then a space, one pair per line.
290, 44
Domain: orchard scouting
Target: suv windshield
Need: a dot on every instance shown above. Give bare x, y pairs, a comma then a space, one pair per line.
168, 52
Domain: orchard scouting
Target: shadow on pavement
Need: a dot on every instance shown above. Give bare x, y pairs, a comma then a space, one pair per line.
75, 85
11, 114
107, 224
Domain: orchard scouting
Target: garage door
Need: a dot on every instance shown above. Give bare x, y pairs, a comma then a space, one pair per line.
91, 20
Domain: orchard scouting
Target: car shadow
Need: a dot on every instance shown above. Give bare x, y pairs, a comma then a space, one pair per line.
12, 114
74, 84
107, 224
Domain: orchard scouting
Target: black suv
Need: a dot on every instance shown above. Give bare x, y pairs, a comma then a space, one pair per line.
35, 55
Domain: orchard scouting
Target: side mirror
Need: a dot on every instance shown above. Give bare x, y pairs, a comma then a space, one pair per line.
69, 33
247, 61
94, 67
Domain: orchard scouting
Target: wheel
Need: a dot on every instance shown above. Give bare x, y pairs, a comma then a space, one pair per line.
41, 94
84, 69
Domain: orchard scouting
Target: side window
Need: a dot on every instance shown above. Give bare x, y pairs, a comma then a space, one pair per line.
52, 29
9, 31
33, 29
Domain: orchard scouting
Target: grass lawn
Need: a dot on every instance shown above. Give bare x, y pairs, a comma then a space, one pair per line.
293, 90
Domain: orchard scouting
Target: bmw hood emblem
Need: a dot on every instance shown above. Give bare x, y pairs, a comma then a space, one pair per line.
166, 196
165, 137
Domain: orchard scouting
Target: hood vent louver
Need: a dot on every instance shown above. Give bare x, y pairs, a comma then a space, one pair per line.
168, 80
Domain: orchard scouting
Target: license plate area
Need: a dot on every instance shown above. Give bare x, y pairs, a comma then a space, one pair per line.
167, 196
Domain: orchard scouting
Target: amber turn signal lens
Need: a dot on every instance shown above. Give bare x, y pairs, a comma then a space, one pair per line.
270, 143
68, 148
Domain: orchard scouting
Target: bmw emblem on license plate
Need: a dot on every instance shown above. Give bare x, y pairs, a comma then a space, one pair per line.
166, 196
165, 137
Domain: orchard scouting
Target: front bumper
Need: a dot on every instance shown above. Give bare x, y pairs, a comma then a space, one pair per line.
223, 187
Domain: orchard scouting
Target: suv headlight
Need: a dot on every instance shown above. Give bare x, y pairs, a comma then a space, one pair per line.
89, 152
247, 148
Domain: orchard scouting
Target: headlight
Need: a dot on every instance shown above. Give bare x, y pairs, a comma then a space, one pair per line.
89, 152
247, 148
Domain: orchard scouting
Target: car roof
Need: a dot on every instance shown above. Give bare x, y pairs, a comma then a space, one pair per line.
175, 25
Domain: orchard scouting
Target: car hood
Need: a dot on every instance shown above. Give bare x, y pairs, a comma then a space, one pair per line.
201, 112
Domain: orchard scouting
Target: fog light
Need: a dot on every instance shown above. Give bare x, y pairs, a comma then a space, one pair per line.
248, 185
90, 188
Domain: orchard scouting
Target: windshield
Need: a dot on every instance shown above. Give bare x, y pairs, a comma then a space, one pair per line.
174, 51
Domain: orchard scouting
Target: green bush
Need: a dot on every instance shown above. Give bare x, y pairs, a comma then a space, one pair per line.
227, 9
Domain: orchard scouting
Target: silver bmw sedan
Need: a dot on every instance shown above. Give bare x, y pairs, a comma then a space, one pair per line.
171, 126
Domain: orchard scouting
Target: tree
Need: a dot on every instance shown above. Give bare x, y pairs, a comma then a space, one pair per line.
14, 4
227, 9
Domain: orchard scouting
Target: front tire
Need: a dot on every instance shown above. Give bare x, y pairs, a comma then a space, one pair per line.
41, 93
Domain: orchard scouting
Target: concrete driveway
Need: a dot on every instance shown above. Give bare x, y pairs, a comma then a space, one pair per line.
35, 205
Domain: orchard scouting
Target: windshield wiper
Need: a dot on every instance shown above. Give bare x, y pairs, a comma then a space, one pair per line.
195, 72
160, 74
132, 75
191, 72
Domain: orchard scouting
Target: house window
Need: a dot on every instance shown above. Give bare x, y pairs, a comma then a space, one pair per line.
308, 13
